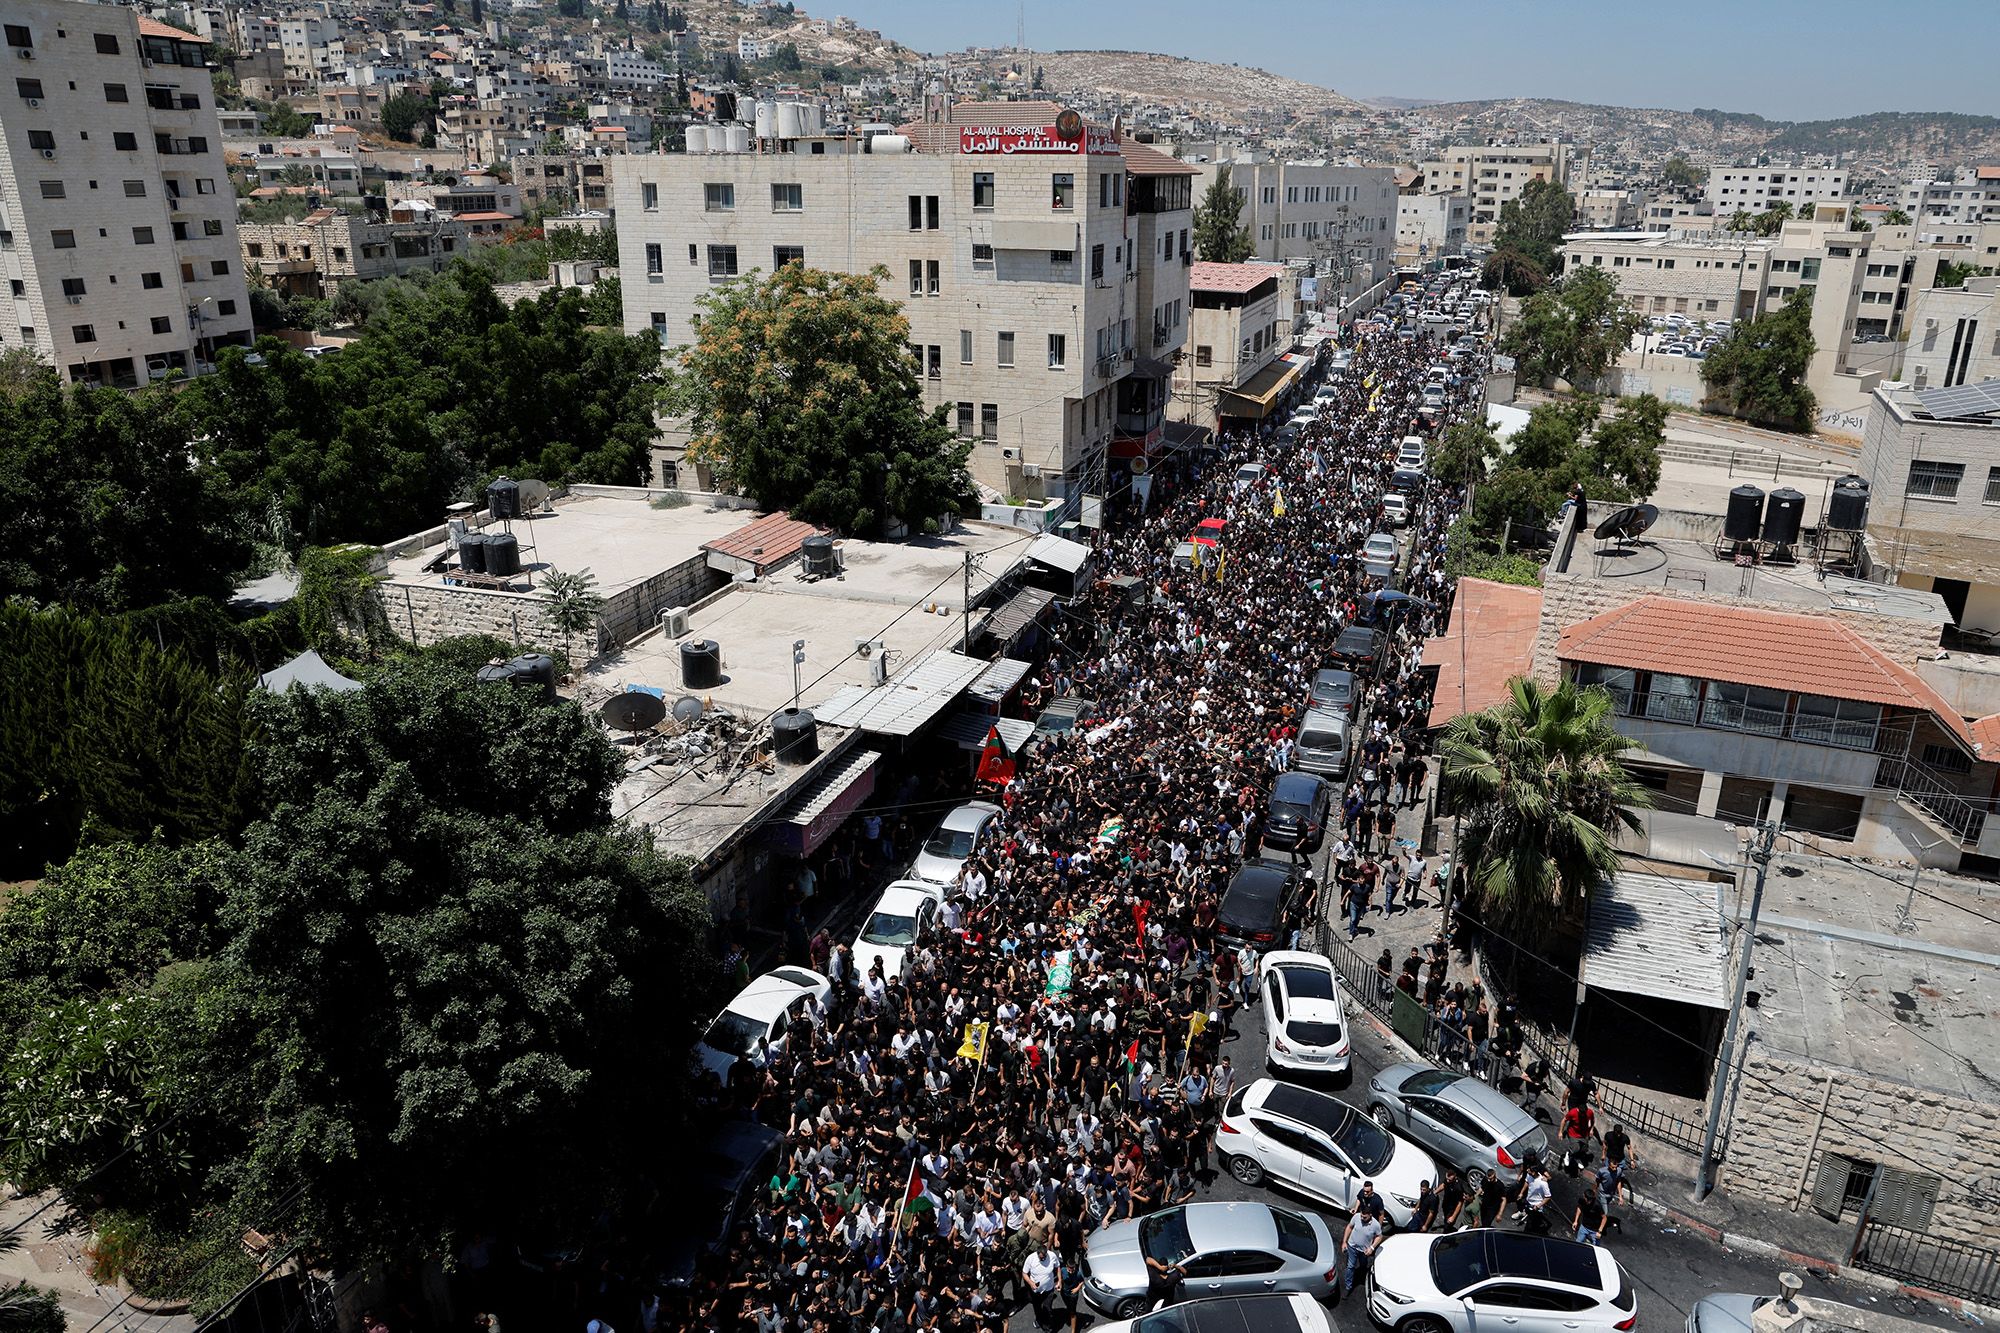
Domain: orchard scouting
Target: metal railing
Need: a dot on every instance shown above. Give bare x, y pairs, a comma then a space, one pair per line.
1962, 815
1934, 1263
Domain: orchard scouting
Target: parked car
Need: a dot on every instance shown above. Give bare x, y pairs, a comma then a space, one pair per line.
1335, 688
1726, 1312
1477, 1281
1249, 475
1358, 643
1223, 1249
1296, 816
734, 1160
900, 916
952, 842
1379, 554
1305, 1025
1323, 742
1267, 1313
1320, 1146
762, 1011
1466, 1123
1412, 454
1253, 905
1060, 717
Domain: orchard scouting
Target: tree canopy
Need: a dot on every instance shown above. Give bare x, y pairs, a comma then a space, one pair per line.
801, 386
1564, 444
1220, 237
1759, 371
1512, 271
1572, 331
1681, 173
1534, 222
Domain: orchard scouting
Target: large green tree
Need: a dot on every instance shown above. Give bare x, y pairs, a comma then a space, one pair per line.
801, 386
1540, 790
1513, 272
1759, 371
1682, 174
405, 115
1534, 222
1567, 443
1220, 236
1572, 331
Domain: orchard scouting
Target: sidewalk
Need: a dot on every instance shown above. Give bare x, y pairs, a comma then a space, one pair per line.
60, 1264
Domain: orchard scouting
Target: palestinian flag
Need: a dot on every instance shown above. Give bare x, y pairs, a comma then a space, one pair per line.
1132, 1060
996, 766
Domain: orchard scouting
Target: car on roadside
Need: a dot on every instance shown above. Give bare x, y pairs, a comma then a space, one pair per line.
1265, 1312
1296, 816
1222, 1249
1061, 717
1336, 688
735, 1159
1249, 475
1412, 453
1464, 1122
1379, 554
944, 853
1358, 644
1305, 1024
893, 925
1486, 1279
1253, 905
1323, 746
1305, 1140
756, 1023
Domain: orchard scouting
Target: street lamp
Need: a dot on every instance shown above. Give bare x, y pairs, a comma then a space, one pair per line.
201, 338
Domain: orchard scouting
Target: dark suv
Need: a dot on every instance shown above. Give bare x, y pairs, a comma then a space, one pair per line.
1253, 906
1296, 819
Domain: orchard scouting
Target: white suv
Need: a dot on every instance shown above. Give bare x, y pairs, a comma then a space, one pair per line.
1319, 1146
1304, 1023
1468, 1281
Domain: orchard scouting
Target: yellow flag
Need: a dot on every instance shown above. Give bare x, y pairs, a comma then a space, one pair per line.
1221, 559
974, 1045
1278, 503
1197, 1024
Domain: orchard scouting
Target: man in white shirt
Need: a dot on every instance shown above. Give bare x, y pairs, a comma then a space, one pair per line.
1042, 1271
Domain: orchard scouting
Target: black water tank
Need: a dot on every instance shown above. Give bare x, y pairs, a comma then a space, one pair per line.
795, 736
1847, 508
497, 673
819, 555
1784, 513
538, 668
472, 552
1746, 514
503, 497
503, 555
701, 664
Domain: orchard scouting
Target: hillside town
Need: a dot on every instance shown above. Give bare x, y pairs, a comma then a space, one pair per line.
674, 666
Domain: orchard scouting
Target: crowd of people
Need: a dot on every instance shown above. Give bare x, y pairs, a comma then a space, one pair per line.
926, 1184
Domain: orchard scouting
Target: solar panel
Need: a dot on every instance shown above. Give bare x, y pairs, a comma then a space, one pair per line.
1961, 400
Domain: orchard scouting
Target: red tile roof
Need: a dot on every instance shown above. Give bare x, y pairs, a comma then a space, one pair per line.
484, 217
1491, 637
1005, 113
1145, 160
1807, 654
1207, 277
155, 28
1989, 173
1986, 735
765, 541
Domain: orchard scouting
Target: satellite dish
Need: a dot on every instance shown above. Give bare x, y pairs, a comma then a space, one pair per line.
1627, 522
633, 711
686, 709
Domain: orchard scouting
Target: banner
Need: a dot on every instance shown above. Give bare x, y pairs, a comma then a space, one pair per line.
1060, 973
974, 1045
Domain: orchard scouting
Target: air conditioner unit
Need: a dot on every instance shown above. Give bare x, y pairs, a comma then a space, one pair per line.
674, 622
76, 300
868, 647
26, 53
1009, 452
1031, 470
49, 153
147, 61
33, 101
878, 670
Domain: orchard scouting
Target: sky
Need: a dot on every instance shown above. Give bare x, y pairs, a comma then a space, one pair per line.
1784, 59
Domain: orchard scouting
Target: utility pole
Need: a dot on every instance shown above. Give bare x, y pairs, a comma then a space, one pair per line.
1760, 856
965, 609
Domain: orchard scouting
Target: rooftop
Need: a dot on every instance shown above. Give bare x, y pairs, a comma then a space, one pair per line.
1491, 638
154, 28
1209, 277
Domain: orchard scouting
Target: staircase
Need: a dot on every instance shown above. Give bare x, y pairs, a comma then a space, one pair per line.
1751, 461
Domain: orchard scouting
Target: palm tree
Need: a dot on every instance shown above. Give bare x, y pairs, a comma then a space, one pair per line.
26, 1309
1540, 790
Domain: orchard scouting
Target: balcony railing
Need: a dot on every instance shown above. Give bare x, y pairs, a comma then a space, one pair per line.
1964, 816
1724, 715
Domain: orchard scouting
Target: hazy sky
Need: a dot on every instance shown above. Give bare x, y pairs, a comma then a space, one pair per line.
1786, 59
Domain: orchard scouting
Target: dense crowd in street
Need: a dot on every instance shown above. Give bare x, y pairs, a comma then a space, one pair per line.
921, 1188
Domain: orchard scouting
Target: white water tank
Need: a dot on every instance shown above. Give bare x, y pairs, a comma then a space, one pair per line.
698, 138
889, 143
812, 120
767, 118
736, 138
790, 122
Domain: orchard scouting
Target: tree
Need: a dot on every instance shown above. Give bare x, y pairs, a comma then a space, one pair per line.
801, 386
1219, 236
1036, 85
1539, 786
787, 58
404, 114
1564, 446
1770, 221
1465, 452
1950, 273
1534, 222
1895, 217
1572, 331
27, 1309
1758, 372
1741, 220
1512, 271
574, 606
1681, 173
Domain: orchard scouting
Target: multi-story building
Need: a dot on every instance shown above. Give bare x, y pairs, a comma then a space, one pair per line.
1493, 174
1037, 272
320, 166
1954, 335
327, 249
117, 220
1935, 205
1669, 214
1430, 225
631, 69
313, 47
1328, 217
1233, 374
573, 180
1603, 208
1753, 189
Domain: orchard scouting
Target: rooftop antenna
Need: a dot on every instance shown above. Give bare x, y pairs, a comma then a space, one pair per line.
1021, 25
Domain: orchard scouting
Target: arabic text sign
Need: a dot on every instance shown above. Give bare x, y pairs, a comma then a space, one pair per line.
1010, 139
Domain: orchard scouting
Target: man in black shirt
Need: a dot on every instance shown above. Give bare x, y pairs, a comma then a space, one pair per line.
1451, 1198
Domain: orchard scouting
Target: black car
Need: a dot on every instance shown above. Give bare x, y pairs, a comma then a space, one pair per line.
1296, 819
1358, 644
1254, 903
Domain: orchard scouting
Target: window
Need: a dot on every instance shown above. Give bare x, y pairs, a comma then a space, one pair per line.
27, 333
125, 141
42, 139
150, 281
1204, 355
107, 43
718, 198
989, 421
18, 35
788, 198
934, 363
225, 307
1946, 758
1937, 481
1062, 190
142, 235
340, 253
1749, 708
1672, 698
115, 92
218, 267
198, 144
63, 239
29, 88
135, 189
52, 190
1058, 350
1062, 256
84, 333
211, 226
932, 285
1993, 485
965, 347
982, 255
965, 420
1843, 722
982, 189
162, 324
782, 255
1006, 351
916, 212
721, 261
916, 277
1097, 263
649, 197
73, 287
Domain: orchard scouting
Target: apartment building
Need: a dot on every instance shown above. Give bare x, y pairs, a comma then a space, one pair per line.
313, 47
1954, 335
1678, 215
1937, 206
1603, 208
117, 220
1430, 225
1493, 174
1233, 374
573, 180
631, 69
1754, 189
328, 248
1037, 272
319, 166
1321, 215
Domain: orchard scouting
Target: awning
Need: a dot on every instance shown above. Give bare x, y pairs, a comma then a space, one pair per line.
1147, 368
999, 680
969, 730
1018, 612
812, 816
1059, 553
1708, 845
913, 697
1259, 393
309, 669
1651, 935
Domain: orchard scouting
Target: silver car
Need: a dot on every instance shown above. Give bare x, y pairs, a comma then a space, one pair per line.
1221, 1249
1466, 1123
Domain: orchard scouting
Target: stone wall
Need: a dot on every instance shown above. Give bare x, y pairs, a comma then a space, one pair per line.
1778, 1136
637, 609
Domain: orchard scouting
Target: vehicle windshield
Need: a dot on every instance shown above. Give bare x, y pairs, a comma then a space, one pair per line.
1295, 1235
1164, 1236
1057, 721
733, 1034
1428, 1082
1365, 1144
1314, 1034
1308, 983
1336, 689
890, 928
951, 843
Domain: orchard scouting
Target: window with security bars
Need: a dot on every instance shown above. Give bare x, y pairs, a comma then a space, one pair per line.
1937, 481
1992, 485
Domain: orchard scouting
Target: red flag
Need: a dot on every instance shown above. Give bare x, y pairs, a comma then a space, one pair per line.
1139, 909
1132, 1059
915, 1187
995, 764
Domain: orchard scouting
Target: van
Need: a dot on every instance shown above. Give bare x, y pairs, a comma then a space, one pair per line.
1322, 746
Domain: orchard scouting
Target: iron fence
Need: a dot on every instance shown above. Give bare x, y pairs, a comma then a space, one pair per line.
1934, 1263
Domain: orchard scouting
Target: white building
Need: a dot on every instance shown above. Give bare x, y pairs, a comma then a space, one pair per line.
312, 46
1954, 335
1493, 174
1322, 215
1603, 208
1936, 205
631, 69
117, 221
1755, 189
1430, 225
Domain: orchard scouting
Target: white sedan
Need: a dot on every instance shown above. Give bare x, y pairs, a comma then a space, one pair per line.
1319, 1146
1290, 1312
1305, 1024
954, 840
1491, 1281
899, 916
757, 1021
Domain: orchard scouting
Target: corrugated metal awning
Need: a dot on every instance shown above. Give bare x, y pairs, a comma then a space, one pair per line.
1652, 935
1059, 553
969, 730
1018, 612
913, 697
999, 679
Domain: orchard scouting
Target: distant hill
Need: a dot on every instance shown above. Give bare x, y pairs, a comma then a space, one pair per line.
1174, 81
